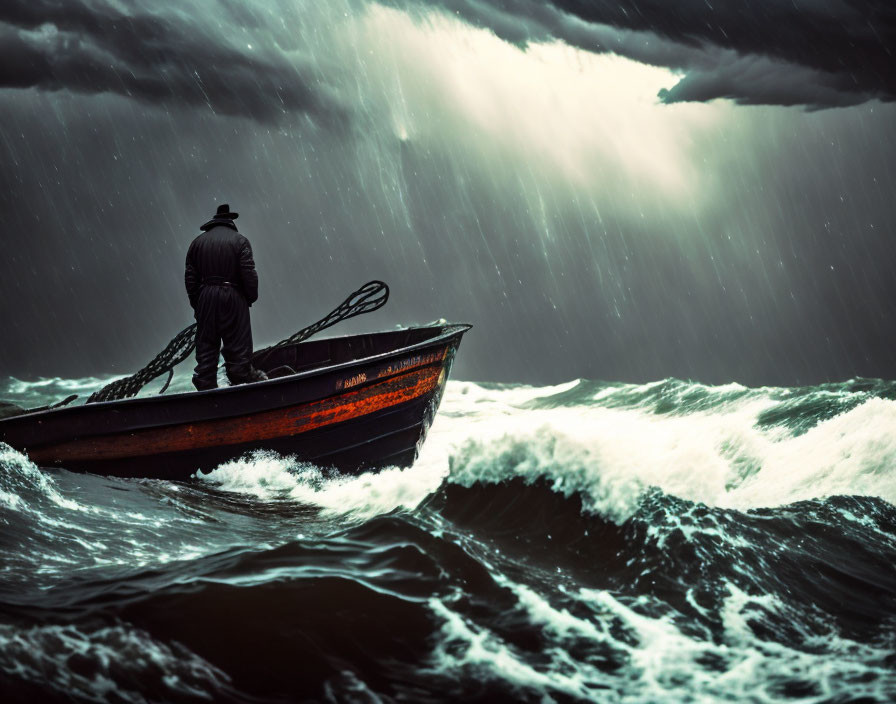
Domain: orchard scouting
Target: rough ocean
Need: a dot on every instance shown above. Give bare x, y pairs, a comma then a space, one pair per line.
589, 541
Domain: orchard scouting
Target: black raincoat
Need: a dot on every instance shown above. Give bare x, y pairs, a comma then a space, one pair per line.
221, 283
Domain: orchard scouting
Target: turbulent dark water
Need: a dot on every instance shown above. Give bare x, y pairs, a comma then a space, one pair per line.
592, 541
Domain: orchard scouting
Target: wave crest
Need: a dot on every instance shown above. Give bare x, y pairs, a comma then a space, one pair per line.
269, 476
722, 458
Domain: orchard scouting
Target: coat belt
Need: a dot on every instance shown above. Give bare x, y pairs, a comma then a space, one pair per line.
217, 281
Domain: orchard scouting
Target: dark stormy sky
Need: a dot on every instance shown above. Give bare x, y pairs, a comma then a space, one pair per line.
607, 189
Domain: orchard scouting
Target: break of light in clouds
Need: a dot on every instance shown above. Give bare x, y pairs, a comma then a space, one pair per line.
595, 119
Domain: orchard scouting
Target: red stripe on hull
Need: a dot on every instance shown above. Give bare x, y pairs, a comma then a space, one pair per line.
282, 422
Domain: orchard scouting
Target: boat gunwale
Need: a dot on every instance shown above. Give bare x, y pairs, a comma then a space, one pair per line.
449, 330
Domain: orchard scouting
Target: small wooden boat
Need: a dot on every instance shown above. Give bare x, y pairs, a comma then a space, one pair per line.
352, 403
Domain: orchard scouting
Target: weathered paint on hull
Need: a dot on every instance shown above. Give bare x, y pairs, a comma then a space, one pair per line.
371, 418
383, 439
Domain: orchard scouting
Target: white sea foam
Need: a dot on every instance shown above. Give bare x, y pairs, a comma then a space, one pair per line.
48, 390
23, 386
103, 665
670, 663
62, 535
20, 476
659, 661
611, 455
608, 451
467, 393
465, 646
718, 456
267, 475
852, 453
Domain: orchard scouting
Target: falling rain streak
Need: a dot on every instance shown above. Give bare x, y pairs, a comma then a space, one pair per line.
541, 190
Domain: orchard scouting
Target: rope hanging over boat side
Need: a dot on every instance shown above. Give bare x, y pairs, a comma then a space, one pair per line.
177, 351
370, 297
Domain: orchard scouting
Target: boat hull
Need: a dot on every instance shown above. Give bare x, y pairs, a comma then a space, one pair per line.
361, 414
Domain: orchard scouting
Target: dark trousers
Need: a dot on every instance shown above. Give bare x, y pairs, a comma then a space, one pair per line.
222, 316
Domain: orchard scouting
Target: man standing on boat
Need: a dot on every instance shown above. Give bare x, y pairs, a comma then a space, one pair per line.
222, 283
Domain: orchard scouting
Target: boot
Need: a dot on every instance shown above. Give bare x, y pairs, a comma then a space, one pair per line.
257, 375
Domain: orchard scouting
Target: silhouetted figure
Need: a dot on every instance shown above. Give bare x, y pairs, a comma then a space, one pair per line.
222, 283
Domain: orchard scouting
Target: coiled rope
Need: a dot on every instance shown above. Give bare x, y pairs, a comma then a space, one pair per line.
370, 297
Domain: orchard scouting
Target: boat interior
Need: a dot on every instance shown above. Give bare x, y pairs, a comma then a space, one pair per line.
293, 359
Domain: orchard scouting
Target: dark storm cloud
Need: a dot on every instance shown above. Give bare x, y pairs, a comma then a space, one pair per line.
823, 53
154, 58
758, 80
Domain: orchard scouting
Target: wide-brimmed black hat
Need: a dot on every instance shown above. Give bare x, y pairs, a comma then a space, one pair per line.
224, 212
223, 217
